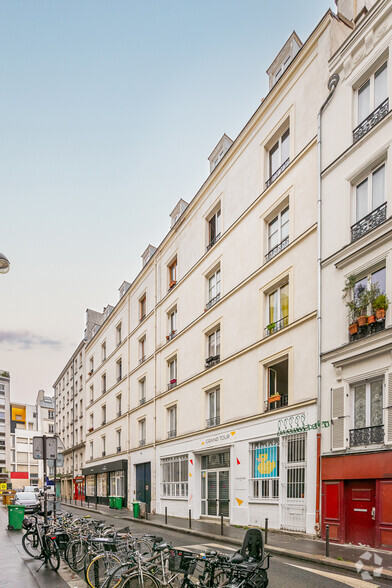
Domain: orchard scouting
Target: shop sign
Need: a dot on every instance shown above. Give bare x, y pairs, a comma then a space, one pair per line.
216, 439
297, 424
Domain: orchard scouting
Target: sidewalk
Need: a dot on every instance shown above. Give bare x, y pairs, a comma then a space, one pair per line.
286, 544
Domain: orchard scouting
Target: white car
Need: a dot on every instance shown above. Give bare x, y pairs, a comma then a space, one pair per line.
29, 500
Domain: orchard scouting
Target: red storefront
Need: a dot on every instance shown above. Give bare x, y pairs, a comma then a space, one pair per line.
79, 493
357, 498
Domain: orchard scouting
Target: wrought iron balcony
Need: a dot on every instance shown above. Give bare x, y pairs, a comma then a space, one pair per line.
213, 241
371, 120
171, 335
172, 433
213, 421
103, 453
367, 436
142, 359
142, 400
212, 301
118, 449
277, 173
142, 442
119, 413
271, 404
276, 326
369, 222
368, 329
212, 360
277, 249
172, 384
142, 318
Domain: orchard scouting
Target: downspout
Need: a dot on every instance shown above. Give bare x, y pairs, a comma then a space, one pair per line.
332, 83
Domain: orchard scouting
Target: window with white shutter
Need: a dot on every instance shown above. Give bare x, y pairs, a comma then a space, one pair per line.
338, 439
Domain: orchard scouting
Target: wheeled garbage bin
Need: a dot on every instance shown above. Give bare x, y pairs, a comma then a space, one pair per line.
117, 502
15, 516
111, 501
136, 510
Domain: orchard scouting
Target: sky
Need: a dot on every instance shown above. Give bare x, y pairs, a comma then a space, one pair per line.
108, 113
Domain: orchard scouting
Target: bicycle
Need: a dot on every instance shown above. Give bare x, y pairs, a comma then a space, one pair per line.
39, 544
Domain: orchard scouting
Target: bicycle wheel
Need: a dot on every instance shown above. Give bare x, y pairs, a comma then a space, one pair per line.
140, 580
100, 568
74, 554
31, 544
119, 574
143, 547
52, 554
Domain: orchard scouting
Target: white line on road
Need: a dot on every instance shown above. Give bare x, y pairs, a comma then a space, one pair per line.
355, 583
199, 547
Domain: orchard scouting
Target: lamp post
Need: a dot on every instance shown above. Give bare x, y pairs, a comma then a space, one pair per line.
4, 264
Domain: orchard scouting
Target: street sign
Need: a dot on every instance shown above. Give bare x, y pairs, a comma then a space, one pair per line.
51, 447
38, 447
59, 461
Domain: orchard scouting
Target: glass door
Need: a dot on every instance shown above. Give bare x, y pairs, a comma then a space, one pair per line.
212, 499
224, 493
215, 494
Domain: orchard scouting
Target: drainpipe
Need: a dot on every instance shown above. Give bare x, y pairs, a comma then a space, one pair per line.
332, 83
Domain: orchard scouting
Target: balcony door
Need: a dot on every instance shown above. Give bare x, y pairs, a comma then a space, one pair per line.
368, 414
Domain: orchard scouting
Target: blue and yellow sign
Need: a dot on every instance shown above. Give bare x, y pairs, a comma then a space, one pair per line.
266, 462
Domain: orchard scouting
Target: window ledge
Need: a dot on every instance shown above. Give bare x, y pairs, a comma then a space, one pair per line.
263, 501
184, 498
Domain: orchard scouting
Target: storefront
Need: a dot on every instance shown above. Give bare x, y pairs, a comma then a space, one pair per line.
109, 479
357, 498
79, 491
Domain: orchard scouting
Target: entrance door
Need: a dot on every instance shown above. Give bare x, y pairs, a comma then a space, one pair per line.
215, 493
143, 483
361, 512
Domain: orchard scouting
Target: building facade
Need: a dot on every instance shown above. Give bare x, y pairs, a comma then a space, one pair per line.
4, 427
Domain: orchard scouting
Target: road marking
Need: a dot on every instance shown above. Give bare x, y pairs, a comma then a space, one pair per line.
199, 547
337, 577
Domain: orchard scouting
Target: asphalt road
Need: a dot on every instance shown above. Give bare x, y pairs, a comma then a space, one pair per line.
282, 572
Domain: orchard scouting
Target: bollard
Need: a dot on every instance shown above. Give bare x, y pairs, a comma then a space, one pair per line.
146, 511
327, 540
88, 503
266, 531
165, 515
221, 516
96, 504
190, 518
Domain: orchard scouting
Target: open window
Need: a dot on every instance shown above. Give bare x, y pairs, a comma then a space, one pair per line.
277, 384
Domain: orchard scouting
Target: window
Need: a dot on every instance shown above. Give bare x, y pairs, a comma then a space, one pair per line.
91, 393
278, 309
103, 351
173, 273
172, 421
369, 203
264, 477
91, 421
214, 229
118, 440
142, 391
103, 445
367, 291
278, 234
172, 317
213, 347
91, 366
117, 483
103, 415
278, 157
175, 476
172, 367
119, 370
118, 405
367, 413
373, 103
103, 383
91, 454
51, 428
142, 307
214, 288
81, 407
213, 407
294, 447
142, 349
118, 334
277, 384
50, 414
142, 432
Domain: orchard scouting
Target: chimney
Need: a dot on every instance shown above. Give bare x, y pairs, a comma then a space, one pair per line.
353, 10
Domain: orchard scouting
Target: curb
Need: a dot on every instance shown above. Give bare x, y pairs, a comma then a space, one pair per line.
278, 551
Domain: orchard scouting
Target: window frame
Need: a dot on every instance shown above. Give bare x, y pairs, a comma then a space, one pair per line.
369, 178
259, 484
215, 287
172, 430
172, 488
371, 82
172, 269
142, 307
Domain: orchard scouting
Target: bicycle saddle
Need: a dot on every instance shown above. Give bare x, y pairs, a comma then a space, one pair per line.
162, 546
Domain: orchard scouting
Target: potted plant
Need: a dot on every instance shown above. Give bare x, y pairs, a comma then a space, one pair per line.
380, 305
274, 398
373, 293
91, 429
363, 304
174, 381
351, 303
271, 327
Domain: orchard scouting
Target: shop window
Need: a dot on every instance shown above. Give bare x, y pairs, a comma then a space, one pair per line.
174, 472
264, 459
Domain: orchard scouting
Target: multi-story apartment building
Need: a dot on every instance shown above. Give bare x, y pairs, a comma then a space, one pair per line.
70, 401
29, 421
356, 464
205, 372
4, 427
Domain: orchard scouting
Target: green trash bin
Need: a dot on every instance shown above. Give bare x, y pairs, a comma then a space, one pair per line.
136, 510
118, 502
15, 516
111, 501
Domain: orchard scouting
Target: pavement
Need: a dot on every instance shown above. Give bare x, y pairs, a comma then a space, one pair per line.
289, 545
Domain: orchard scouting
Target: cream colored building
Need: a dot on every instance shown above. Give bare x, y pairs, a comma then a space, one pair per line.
200, 377
356, 233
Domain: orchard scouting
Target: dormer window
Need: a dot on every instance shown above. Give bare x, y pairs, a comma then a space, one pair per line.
283, 59
219, 152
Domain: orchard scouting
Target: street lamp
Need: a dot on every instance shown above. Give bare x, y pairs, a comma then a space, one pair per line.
4, 264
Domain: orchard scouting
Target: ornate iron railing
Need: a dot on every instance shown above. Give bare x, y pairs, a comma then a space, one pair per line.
172, 433
172, 384
212, 360
282, 401
142, 359
171, 335
369, 222
277, 249
213, 422
213, 241
118, 449
142, 442
367, 436
277, 173
368, 329
276, 326
142, 400
369, 122
212, 301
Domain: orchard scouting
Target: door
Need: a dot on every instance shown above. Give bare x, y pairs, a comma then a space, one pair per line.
360, 512
215, 493
143, 483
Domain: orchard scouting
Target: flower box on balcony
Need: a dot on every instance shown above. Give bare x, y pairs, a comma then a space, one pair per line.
172, 284
362, 320
174, 381
353, 328
91, 429
90, 373
274, 398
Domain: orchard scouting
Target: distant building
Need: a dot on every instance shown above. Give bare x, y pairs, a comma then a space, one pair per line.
4, 426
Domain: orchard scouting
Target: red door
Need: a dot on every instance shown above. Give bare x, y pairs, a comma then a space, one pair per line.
360, 512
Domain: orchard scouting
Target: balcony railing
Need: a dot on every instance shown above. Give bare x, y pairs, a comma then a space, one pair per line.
171, 335
369, 222
172, 384
367, 436
118, 449
119, 413
276, 326
142, 359
142, 442
371, 120
172, 433
368, 329
280, 401
277, 173
142, 400
103, 422
212, 360
103, 453
277, 249
213, 241
212, 301
142, 318
213, 421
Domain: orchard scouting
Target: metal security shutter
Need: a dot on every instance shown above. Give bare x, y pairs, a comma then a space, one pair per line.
338, 419
388, 419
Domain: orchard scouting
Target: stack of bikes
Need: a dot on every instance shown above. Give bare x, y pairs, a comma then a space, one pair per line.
119, 559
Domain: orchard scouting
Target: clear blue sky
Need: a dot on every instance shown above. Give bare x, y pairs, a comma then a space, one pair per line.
109, 110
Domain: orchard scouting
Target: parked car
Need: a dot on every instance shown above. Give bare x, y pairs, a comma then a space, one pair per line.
34, 489
29, 500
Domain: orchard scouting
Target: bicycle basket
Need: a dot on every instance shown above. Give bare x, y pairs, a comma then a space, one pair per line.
182, 562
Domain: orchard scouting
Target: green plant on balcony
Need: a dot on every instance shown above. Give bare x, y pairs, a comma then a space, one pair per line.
351, 303
271, 327
380, 305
